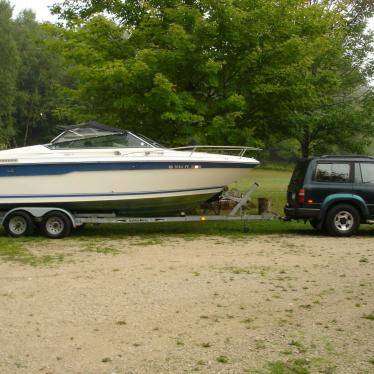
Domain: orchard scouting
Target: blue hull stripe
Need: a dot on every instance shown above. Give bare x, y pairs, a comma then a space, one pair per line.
65, 168
109, 194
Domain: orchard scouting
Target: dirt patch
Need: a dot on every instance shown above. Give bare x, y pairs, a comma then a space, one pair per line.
213, 305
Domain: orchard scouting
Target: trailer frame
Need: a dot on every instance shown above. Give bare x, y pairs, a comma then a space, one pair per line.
57, 222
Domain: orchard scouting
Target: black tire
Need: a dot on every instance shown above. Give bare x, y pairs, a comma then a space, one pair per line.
342, 220
55, 225
18, 223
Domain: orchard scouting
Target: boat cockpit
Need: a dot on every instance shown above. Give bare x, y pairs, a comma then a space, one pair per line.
94, 135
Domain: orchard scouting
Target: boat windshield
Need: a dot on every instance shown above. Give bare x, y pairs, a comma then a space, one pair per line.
95, 138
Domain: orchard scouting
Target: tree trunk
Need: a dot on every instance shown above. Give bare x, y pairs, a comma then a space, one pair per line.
305, 149
305, 142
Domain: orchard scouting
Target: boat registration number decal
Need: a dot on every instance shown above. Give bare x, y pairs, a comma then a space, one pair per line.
9, 160
184, 166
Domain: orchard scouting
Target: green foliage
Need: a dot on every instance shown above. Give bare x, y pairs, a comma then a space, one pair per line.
37, 75
222, 359
298, 366
8, 71
369, 316
288, 75
222, 71
29, 71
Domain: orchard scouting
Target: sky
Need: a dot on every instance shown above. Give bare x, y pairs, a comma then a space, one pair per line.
40, 8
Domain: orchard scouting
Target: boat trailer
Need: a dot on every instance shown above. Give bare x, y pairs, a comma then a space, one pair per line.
56, 223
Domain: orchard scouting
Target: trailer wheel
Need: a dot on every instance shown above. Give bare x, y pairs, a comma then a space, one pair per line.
56, 225
18, 224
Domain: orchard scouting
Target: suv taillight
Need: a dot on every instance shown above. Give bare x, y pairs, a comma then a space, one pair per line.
301, 196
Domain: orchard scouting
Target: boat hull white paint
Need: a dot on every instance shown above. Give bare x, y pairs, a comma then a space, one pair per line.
161, 183
124, 191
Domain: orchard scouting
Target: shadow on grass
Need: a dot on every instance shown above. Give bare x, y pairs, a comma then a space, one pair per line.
186, 230
192, 229
201, 229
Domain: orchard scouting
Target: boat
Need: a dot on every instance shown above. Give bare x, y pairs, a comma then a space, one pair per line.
96, 168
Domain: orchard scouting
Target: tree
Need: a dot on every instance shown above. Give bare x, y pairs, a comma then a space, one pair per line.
343, 117
8, 71
38, 73
224, 71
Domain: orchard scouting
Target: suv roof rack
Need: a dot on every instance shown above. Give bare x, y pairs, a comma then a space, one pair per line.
347, 156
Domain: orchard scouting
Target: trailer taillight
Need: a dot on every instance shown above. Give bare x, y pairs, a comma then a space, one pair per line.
301, 196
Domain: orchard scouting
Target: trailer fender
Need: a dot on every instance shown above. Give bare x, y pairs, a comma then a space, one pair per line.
39, 212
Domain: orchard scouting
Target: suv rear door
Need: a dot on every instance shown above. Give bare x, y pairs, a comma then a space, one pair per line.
364, 183
328, 177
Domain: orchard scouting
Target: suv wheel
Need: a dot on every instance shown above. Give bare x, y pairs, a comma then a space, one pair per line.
342, 220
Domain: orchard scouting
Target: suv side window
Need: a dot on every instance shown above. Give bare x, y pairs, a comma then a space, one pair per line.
332, 172
367, 172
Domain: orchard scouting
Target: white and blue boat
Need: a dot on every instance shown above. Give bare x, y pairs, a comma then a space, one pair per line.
96, 168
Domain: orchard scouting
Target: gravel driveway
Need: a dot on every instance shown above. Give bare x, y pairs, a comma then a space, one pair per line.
174, 305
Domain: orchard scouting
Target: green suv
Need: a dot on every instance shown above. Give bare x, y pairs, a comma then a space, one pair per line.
334, 193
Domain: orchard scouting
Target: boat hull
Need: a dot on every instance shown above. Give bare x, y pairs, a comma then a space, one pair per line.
130, 189
171, 205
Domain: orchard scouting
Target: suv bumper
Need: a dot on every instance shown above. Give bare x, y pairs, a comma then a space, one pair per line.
301, 213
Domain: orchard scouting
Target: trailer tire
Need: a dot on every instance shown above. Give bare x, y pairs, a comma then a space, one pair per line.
18, 223
56, 225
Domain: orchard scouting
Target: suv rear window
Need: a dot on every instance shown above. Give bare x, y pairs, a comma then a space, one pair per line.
367, 172
332, 172
299, 172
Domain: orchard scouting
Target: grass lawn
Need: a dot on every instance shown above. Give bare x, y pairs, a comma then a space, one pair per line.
272, 185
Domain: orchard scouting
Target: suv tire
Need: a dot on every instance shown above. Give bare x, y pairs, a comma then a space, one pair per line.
342, 220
